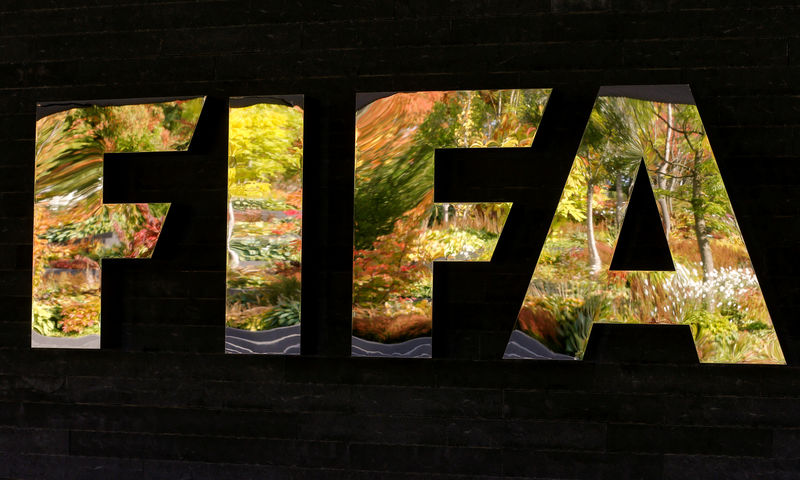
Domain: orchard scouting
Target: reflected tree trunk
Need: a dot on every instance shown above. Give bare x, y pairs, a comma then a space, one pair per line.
499, 107
701, 229
466, 119
234, 257
619, 199
661, 176
594, 256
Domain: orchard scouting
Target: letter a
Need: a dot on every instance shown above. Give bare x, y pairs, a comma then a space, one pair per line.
595, 268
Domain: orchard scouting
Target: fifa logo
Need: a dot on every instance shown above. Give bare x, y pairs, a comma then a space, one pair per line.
487, 224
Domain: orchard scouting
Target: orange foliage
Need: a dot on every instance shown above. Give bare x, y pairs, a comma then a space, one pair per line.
78, 315
539, 322
247, 215
381, 328
295, 199
385, 128
724, 254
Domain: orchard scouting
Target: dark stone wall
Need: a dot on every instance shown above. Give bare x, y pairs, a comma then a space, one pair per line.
172, 405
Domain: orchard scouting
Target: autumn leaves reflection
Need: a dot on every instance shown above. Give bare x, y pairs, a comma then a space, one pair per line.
264, 238
399, 232
73, 229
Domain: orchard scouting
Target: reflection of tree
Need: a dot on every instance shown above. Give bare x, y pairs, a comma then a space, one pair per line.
655, 138
713, 289
685, 172
607, 154
697, 182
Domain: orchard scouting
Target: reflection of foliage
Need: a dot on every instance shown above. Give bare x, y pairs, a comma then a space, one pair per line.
265, 193
179, 121
264, 249
67, 304
453, 244
138, 227
94, 225
563, 252
705, 323
263, 301
265, 318
398, 230
242, 279
396, 321
379, 273
720, 337
256, 160
79, 313
241, 204
387, 189
714, 289
70, 144
394, 149
572, 207
574, 317
662, 296
68, 160
264, 289
70, 222
285, 226
283, 314
727, 311
45, 318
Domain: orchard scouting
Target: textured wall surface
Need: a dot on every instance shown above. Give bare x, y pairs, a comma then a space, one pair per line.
171, 405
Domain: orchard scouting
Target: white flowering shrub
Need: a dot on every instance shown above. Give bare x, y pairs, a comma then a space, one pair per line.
726, 290
727, 312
